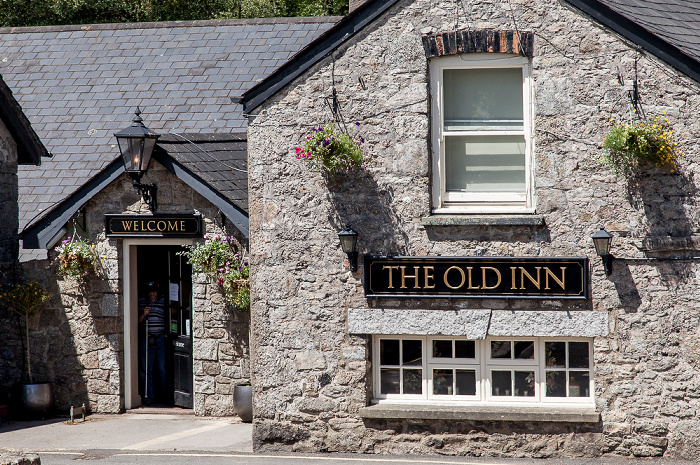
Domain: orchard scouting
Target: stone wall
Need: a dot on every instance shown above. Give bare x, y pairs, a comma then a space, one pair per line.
78, 340
10, 366
311, 377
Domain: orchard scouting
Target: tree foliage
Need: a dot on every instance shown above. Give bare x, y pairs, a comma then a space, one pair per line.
16, 13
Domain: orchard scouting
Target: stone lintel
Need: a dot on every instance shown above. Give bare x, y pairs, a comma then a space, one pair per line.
477, 324
470, 323
483, 220
548, 323
481, 413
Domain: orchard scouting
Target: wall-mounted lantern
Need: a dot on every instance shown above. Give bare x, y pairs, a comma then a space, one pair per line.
602, 241
348, 242
136, 144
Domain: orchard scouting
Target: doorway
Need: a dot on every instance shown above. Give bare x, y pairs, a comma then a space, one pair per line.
160, 267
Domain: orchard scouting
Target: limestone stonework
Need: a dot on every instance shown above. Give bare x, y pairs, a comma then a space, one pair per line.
311, 376
79, 337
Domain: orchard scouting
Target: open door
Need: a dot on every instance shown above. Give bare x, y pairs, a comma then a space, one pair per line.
180, 297
162, 264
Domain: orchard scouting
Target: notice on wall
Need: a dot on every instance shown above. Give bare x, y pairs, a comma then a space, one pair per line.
174, 292
477, 277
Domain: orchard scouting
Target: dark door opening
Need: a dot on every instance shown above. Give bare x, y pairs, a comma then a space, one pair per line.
171, 383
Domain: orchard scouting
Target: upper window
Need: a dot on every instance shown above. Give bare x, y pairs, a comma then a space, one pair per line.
495, 370
482, 147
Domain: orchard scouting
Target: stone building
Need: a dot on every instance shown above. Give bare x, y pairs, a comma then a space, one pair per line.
79, 85
480, 320
19, 144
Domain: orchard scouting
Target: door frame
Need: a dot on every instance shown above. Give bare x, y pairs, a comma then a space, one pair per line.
130, 299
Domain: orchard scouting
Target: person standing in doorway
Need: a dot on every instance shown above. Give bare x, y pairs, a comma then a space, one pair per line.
152, 342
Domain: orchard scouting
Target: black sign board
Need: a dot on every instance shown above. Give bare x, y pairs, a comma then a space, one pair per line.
477, 277
153, 225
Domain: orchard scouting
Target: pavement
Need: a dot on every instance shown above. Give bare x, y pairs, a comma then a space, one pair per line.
141, 429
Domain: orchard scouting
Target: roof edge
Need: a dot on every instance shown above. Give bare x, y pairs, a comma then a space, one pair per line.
30, 149
313, 52
170, 24
654, 44
232, 211
36, 234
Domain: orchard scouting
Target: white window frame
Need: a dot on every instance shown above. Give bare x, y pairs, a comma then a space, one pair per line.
481, 202
483, 364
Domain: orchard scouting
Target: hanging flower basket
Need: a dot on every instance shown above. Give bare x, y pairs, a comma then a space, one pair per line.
77, 257
629, 147
221, 257
331, 150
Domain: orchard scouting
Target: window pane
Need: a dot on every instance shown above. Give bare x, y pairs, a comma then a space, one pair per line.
389, 352
412, 352
555, 354
556, 384
442, 349
525, 383
413, 381
500, 383
466, 382
442, 382
579, 384
485, 163
477, 98
500, 349
578, 355
390, 381
524, 350
465, 349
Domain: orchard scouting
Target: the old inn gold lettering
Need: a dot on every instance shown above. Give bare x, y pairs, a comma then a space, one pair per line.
153, 225
476, 277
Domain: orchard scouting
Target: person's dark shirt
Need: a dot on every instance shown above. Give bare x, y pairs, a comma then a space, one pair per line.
156, 315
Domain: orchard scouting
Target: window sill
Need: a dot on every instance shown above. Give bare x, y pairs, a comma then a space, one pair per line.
481, 413
483, 220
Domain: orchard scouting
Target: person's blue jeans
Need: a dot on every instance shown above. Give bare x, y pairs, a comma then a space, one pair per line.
152, 362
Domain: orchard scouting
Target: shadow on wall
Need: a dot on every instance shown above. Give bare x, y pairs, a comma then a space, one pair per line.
667, 199
664, 198
359, 201
62, 338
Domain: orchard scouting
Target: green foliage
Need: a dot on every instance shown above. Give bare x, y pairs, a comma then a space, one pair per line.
221, 257
76, 257
17, 13
329, 150
629, 146
24, 299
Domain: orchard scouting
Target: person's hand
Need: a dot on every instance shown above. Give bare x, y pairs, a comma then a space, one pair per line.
146, 310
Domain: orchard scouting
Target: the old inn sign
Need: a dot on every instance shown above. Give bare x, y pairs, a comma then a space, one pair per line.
477, 277
153, 225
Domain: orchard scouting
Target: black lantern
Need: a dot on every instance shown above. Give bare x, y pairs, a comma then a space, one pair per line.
136, 144
348, 242
602, 241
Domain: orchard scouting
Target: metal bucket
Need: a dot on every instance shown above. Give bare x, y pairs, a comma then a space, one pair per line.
243, 402
37, 399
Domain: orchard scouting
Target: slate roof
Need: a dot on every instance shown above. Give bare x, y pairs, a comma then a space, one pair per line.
676, 21
220, 160
668, 29
78, 85
29, 147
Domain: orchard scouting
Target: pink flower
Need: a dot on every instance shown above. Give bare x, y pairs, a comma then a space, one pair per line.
221, 281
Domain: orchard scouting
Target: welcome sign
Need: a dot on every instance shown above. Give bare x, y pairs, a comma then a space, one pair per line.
153, 225
477, 277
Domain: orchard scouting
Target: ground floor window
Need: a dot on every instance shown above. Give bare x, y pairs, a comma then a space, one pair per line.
517, 370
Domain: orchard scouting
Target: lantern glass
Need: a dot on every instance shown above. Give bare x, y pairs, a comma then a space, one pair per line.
602, 241
348, 240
